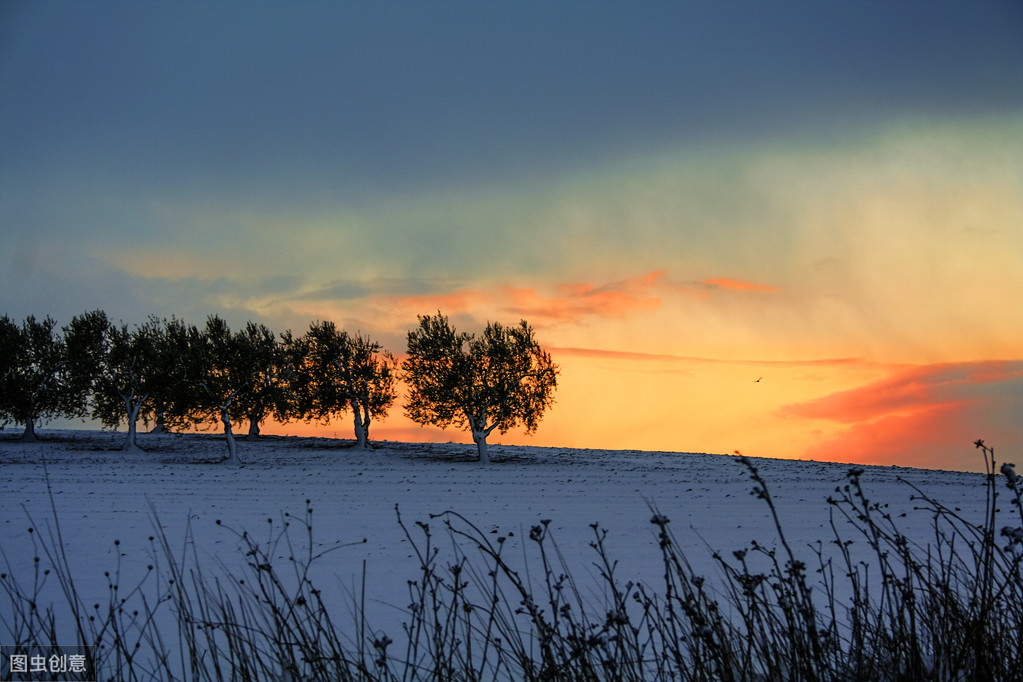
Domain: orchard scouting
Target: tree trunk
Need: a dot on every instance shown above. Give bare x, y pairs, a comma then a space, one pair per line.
30, 431
481, 444
133, 408
253, 427
159, 427
361, 425
232, 448
129, 443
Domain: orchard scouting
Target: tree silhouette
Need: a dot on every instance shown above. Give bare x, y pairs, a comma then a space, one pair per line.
171, 384
345, 372
498, 380
84, 347
223, 370
129, 375
34, 378
268, 392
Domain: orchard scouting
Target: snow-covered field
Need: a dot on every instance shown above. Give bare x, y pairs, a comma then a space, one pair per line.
102, 495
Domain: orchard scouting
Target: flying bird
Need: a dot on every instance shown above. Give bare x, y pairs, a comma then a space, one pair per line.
757, 380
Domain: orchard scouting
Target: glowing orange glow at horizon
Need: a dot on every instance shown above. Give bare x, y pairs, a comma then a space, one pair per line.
934, 436
927, 417
639, 394
678, 371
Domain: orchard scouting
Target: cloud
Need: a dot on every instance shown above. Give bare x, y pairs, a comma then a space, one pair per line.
633, 355
576, 301
168, 264
618, 354
573, 306
453, 302
569, 302
729, 283
922, 416
353, 289
565, 303
866, 245
933, 437
909, 390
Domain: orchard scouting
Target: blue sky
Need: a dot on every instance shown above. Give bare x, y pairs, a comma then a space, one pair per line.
732, 182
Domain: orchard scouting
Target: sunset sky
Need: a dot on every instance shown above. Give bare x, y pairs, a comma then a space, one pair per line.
681, 198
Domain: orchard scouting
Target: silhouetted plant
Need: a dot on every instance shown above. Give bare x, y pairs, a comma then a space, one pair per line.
46, 372
342, 372
227, 376
498, 380
171, 392
127, 377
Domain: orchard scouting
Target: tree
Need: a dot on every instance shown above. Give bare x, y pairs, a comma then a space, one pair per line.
345, 372
224, 369
34, 373
268, 391
496, 381
171, 386
11, 358
85, 348
218, 379
129, 374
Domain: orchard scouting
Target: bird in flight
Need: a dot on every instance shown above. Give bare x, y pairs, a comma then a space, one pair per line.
757, 380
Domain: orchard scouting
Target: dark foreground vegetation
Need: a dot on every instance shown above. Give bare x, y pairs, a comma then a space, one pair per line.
944, 607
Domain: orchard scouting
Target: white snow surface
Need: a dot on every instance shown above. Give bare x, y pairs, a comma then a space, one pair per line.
102, 495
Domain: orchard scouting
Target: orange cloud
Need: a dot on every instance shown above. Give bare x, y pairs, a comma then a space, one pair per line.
908, 390
455, 302
615, 354
633, 355
930, 437
923, 416
569, 302
729, 283
576, 301
565, 302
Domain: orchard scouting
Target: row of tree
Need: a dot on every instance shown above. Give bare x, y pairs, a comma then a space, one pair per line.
174, 375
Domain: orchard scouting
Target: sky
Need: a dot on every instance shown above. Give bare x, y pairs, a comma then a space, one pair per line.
793, 229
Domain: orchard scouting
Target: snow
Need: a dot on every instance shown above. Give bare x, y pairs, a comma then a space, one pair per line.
102, 494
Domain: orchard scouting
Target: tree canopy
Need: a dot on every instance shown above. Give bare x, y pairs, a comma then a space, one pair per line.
347, 372
173, 375
224, 371
271, 367
34, 373
128, 375
499, 380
